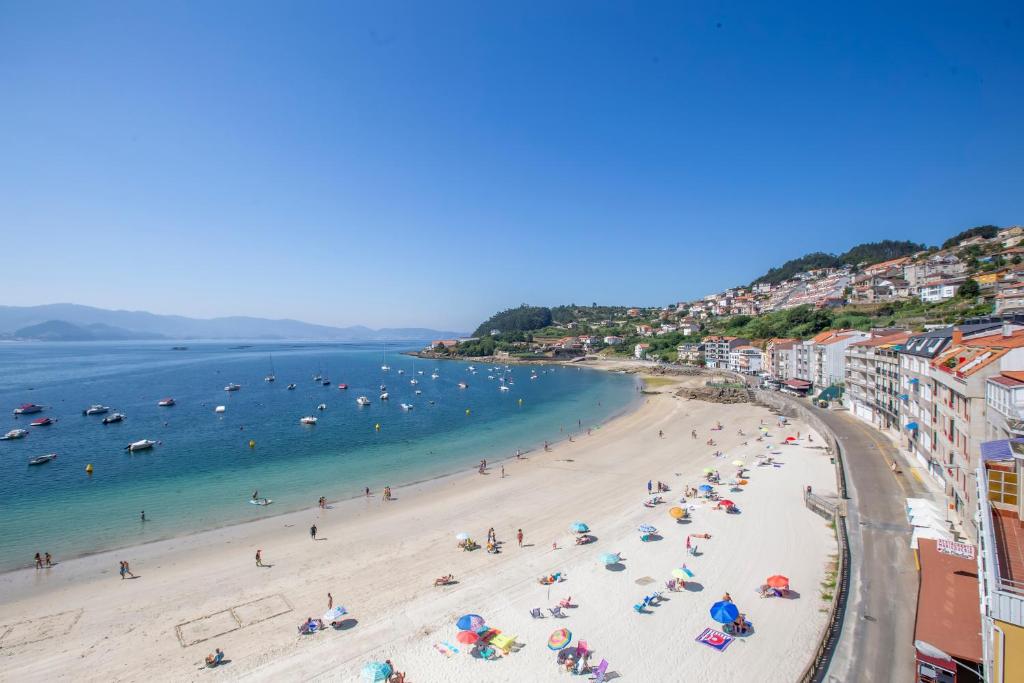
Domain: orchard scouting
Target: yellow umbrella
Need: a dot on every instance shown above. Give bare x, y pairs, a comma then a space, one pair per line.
737, 462
677, 512
679, 573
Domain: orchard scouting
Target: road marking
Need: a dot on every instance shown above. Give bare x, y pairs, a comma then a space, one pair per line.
916, 475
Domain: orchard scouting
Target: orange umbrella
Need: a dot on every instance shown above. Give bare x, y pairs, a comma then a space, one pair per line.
677, 512
467, 637
778, 581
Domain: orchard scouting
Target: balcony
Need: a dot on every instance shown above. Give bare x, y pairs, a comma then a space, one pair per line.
1000, 544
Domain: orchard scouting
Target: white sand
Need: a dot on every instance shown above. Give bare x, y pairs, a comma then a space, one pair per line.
379, 560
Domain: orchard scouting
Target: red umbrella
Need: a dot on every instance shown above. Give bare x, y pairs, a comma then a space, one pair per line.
790, 438
467, 637
778, 581
726, 503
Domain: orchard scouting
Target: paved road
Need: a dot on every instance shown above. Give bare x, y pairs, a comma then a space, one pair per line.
877, 638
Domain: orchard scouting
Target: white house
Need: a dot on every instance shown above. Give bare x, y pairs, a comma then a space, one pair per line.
612, 340
745, 359
939, 291
640, 351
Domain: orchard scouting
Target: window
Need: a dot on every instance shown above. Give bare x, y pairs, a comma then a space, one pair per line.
1002, 487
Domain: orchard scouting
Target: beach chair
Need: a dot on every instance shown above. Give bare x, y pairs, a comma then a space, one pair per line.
566, 603
639, 609
557, 612
536, 613
656, 596
600, 671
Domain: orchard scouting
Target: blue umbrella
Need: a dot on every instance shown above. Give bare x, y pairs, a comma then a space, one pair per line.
724, 612
579, 527
376, 671
705, 487
469, 622
610, 558
647, 529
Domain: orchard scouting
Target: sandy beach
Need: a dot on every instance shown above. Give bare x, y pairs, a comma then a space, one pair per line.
379, 560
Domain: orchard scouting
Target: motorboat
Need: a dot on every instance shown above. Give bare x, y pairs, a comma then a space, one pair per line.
471, 368
434, 375
322, 406
463, 385
401, 372
42, 459
384, 396
96, 409
14, 434
111, 419
383, 387
28, 409
270, 378
418, 392
220, 409
233, 387
325, 382
406, 406
363, 401
414, 381
419, 372
141, 445
504, 387
308, 420
343, 386
166, 402
291, 387
40, 422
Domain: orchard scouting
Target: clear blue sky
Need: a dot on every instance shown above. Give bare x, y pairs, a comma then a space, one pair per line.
426, 163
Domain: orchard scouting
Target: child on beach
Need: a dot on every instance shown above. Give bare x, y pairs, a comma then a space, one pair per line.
259, 557
519, 537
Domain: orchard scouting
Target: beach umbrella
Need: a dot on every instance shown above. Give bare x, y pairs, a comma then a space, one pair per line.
609, 558
560, 639
467, 637
705, 488
778, 581
679, 573
726, 503
709, 470
334, 614
790, 438
470, 622
724, 612
461, 536
676, 512
376, 671
579, 527
738, 463
647, 529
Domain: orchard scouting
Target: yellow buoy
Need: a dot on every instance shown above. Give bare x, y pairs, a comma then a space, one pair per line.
377, 426
252, 443
467, 411
88, 468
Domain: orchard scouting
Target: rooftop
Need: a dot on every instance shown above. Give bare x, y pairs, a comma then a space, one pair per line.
947, 603
1009, 533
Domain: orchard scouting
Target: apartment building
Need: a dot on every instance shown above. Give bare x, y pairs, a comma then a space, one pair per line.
745, 360
916, 391
717, 349
821, 360
873, 379
1004, 405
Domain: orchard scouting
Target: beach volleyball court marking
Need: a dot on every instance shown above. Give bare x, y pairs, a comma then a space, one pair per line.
233, 618
35, 630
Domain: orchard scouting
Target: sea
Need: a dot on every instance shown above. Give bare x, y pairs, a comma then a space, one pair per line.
206, 465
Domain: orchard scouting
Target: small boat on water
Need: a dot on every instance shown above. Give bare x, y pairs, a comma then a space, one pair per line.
414, 381
179, 348
271, 377
220, 409
291, 387
419, 372
261, 501
434, 375
322, 406
363, 401
463, 385
14, 434
111, 419
384, 366
28, 409
504, 387
406, 406
308, 420
401, 372
325, 382
418, 392
232, 387
141, 445
42, 459
41, 422
383, 388
343, 386
384, 396
165, 402
471, 368
96, 409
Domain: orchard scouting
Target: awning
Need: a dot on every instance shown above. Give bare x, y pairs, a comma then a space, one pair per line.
1001, 449
913, 380
904, 397
948, 617
911, 425
797, 384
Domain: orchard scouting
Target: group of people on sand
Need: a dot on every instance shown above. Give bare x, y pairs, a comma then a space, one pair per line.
322, 503
387, 494
125, 569
482, 467
656, 487
41, 559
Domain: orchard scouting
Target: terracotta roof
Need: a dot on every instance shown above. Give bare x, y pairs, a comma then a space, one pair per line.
1016, 375
947, 603
1005, 381
899, 338
979, 352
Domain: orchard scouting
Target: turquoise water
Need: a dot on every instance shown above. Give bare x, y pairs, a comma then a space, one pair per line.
203, 471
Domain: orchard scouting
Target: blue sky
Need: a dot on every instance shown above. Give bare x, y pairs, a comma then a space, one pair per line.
428, 163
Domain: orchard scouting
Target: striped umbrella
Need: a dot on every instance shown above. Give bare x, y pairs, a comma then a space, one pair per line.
376, 671
647, 529
679, 573
470, 622
560, 639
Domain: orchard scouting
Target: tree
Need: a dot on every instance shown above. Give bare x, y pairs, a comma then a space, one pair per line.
969, 289
984, 231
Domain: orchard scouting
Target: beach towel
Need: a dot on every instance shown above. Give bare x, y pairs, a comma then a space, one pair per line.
715, 639
687, 571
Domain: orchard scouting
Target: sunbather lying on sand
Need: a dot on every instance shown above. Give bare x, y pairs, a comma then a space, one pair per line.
215, 658
444, 580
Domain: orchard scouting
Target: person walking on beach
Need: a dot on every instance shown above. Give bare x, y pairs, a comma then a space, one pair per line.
648, 487
125, 569
661, 434
367, 491
693, 433
312, 532
49, 560
39, 561
259, 557
502, 471
143, 515
330, 601
490, 534
519, 537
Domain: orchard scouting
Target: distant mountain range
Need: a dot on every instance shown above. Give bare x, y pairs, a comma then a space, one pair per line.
71, 322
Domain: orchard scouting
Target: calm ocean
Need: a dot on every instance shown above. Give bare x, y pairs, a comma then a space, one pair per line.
203, 471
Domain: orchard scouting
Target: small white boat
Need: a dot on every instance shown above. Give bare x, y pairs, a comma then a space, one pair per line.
406, 406
471, 368
308, 420
504, 387
261, 501
384, 396
322, 406
96, 409
111, 419
434, 375
418, 392
414, 381
401, 372
291, 387
219, 409
363, 401
28, 409
142, 445
233, 387
462, 385
383, 388
42, 459
14, 434
385, 368
165, 402
419, 372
